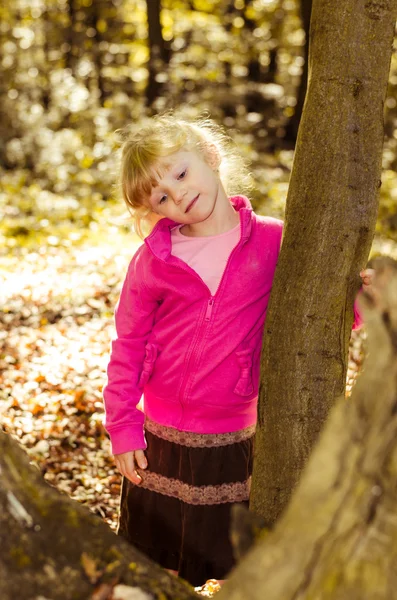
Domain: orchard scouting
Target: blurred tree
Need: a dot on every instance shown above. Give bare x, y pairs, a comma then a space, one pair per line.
254, 65
276, 29
92, 27
73, 38
97, 19
228, 16
159, 52
291, 129
8, 93
46, 62
329, 225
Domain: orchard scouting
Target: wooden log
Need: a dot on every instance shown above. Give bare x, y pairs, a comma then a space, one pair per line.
52, 547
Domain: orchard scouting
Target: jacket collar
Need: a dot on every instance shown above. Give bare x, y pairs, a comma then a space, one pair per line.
159, 241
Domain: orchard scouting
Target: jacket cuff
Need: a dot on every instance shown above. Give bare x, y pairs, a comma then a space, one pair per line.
358, 319
127, 439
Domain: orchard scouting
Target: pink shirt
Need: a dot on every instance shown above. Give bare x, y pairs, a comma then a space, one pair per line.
208, 255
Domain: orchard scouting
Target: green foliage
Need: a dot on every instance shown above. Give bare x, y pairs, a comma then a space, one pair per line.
76, 70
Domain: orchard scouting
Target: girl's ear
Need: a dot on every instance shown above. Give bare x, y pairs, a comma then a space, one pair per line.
211, 155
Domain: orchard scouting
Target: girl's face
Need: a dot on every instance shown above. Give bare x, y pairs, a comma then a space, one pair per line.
188, 188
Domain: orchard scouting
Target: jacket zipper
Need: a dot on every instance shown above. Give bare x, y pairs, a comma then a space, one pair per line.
208, 312
207, 317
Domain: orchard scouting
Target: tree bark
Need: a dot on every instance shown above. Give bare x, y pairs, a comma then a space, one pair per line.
55, 548
337, 539
329, 224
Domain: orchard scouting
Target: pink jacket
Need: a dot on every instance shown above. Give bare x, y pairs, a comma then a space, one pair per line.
195, 357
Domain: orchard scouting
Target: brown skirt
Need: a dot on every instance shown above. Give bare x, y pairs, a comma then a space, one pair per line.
180, 514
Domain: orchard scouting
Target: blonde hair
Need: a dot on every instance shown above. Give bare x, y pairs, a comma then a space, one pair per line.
145, 144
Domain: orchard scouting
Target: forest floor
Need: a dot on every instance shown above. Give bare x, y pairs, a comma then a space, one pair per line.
57, 323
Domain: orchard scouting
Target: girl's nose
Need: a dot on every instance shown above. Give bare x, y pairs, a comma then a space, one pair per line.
179, 195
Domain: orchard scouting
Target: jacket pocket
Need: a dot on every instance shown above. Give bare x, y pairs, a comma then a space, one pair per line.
151, 352
244, 386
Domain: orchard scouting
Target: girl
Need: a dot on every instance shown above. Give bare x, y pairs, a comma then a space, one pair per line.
189, 330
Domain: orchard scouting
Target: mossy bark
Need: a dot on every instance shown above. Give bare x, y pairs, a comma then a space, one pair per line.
337, 539
55, 548
329, 225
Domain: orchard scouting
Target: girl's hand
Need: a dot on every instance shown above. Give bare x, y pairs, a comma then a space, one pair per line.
126, 464
367, 276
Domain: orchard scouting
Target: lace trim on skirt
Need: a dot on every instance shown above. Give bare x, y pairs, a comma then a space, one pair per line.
198, 440
191, 494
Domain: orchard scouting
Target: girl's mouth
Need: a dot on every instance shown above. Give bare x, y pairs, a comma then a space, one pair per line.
193, 202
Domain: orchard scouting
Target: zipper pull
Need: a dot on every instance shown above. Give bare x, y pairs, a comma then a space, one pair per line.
209, 309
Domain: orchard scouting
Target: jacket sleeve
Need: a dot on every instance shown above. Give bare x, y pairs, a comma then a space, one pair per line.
134, 317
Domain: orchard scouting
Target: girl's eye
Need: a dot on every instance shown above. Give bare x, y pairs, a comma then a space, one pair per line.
162, 199
182, 175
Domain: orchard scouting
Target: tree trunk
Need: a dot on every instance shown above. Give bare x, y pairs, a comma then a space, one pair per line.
55, 548
330, 220
338, 537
